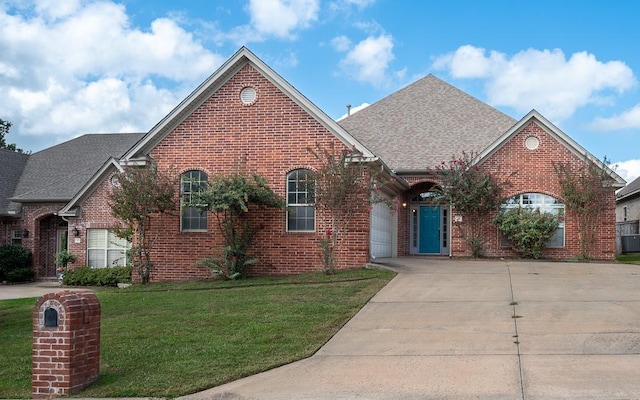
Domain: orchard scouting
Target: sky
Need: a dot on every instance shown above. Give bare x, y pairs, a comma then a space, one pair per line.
71, 67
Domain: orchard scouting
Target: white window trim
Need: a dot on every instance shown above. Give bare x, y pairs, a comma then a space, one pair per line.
106, 250
182, 194
288, 205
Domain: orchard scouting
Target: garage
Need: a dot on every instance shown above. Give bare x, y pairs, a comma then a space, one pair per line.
383, 231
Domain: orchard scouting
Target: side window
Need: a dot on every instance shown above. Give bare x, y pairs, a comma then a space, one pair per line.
301, 212
192, 219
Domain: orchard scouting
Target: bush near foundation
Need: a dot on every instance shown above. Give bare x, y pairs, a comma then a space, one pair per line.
15, 263
85, 276
527, 229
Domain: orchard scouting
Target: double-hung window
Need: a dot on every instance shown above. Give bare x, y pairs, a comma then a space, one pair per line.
105, 249
301, 213
192, 219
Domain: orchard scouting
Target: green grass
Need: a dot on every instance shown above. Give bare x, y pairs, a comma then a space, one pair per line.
168, 340
631, 258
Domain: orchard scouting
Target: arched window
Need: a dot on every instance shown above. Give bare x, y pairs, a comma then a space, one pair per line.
192, 219
426, 197
544, 203
301, 213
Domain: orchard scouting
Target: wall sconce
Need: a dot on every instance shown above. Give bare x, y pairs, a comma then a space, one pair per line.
404, 205
76, 232
25, 233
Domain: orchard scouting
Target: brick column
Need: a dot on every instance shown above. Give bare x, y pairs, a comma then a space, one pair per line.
66, 343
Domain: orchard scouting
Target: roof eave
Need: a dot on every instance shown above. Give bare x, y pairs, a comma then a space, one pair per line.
628, 196
90, 186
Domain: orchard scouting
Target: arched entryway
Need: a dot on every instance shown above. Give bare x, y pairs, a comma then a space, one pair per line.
52, 237
429, 221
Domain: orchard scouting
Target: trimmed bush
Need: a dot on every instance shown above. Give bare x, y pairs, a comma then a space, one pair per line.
15, 263
527, 229
85, 276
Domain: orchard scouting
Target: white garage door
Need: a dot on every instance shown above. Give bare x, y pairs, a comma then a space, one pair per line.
382, 230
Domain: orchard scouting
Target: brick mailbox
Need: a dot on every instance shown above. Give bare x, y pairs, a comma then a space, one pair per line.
66, 343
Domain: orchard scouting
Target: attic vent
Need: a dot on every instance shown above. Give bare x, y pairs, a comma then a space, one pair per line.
532, 142
248, 96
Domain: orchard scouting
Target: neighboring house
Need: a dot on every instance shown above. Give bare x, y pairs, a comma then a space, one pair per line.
628, 202
44, 182
246, 117
628, 218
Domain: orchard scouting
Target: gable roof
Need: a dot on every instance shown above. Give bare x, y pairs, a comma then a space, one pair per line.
629, 191
13, 164
71, 208
558, 135
234, 64
58, 173
419, 126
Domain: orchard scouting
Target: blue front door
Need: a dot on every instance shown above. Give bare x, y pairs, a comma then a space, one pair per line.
429, 230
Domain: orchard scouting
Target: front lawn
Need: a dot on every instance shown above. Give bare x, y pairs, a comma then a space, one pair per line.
631, 258
168, 340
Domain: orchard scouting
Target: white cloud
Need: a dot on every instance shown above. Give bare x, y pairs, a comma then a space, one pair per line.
629, 169
369, 60
341, 43
74, 67
345, 5
542, 79
280, 18
625, 120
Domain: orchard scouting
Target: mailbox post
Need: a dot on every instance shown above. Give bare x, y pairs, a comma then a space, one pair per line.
66, 343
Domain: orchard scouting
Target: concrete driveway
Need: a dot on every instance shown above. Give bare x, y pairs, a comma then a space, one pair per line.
26, 290
453, 329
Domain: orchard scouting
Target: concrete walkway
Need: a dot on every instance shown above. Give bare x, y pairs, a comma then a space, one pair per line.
452, 329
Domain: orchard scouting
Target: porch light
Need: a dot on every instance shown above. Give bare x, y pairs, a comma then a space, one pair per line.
76, 232
25, 233
404, 205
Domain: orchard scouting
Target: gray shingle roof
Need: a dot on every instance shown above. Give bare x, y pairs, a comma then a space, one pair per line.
630, 190
56, 174
11, 166
425, 123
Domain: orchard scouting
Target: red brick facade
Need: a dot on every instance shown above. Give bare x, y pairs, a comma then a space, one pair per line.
271, 137
527, 171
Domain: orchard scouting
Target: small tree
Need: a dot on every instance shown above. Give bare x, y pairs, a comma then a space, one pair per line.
586, 190
472, 192
342, 182
142, 193
527, 229
4, 131
229, 198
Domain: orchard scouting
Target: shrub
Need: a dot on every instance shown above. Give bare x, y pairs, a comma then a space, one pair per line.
15, 263
527, 229
20, 275
85, 276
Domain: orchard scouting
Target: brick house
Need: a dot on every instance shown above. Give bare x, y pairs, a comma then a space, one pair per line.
246, 116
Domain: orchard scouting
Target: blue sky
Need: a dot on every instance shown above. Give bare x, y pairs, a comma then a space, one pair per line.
69, 67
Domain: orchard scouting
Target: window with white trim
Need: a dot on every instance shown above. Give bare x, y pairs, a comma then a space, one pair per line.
105, 249
192, 219
16, 236
301, 212
544, 203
